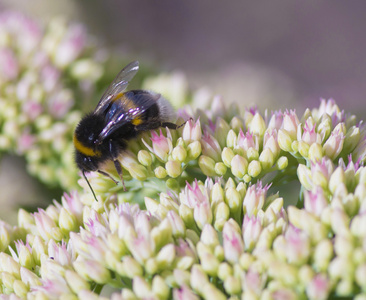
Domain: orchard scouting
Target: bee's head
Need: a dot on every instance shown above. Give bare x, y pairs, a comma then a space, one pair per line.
85, 163
87, 152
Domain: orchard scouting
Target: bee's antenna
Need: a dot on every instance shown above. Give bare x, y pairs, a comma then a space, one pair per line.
95, 197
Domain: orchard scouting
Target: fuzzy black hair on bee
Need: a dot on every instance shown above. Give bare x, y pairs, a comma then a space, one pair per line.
119, 117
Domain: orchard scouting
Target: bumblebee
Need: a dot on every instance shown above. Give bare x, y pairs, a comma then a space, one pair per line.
119, 116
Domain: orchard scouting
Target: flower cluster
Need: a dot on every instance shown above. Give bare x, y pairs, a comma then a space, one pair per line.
42, 71
202, 217
245, 146
218, 229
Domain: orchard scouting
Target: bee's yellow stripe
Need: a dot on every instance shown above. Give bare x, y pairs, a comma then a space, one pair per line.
137, 121
128, 104
84, 149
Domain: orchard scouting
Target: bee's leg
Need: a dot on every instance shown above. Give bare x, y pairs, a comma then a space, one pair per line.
172, 125
118, 167
154, 124
107, 175
169, 125
113, 150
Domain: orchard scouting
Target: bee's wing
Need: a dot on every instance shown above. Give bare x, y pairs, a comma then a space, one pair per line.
121, 114
118, 85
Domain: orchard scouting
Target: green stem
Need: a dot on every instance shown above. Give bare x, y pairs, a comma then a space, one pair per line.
98, 288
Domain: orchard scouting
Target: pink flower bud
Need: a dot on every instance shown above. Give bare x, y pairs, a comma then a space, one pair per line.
232, 242
254, 199
247, 141
9, 68
32, 109
25, 142
192, 131
270, 141
71, 46
252, 228
211, 147
319, 287
290, 123
315, 201
161, 145
309, 135
334, 145
297, 246
276, 120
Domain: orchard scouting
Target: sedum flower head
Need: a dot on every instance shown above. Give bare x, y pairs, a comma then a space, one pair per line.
42, 69
202, 216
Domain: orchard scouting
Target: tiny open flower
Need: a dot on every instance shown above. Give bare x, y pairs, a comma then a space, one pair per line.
254, 199
73, 204
202, 214
9, 265
60, 253
318, 288
89, 246
193, 194
53, 288
183, 293
32, 109
60, 103
47, 227
192, 131
24, 257
315, 201
252, 228
232, 242
290, 123
297, 246
310, 135
29, 278
161, 145
198, 200
50, 77
334, 145
321, 172
92, 270
330, 108
276, 120
254, 281
9, 67
246, 141
198, 278
71, 46
141, 247
177, 224
270, 141
211, 147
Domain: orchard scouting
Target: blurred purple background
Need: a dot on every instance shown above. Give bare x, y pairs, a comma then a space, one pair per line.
276, 54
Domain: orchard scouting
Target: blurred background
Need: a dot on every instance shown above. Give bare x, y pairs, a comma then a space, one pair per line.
276, 55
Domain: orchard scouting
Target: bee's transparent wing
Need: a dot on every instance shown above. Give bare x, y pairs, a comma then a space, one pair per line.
118, 85
118, 115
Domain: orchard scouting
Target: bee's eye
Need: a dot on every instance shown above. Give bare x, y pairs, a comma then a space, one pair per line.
91, 137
